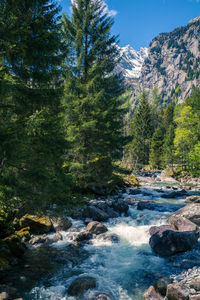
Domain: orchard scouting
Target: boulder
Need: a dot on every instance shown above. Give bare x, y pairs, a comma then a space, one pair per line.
145, 205
151, 294
96, 228
177, 291
174, 194
113, 238
162, 207
182, 224
61, 223
161, 228
95, 213
45, 239
161, 285
190, 212
170, 242
38, 225
83, 236
39, 239
80, 285
120, 206
15, 245
193, 199
195, 284
106, 207
111, 213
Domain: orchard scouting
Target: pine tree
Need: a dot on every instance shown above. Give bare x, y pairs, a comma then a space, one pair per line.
92, 102
31, 57
168, 116
142, 131
155, 159
168, 147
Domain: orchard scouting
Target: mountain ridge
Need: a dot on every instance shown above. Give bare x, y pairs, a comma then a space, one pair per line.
173, 63
131, 62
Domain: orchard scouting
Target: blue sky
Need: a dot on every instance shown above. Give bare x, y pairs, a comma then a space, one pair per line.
138, 21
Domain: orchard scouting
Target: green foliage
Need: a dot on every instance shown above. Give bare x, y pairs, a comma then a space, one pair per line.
93, 95
168, 147
194, 158
155, 158
142, 131
32, 138
187, 133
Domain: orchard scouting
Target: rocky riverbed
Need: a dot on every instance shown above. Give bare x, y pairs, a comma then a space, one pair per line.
102, 251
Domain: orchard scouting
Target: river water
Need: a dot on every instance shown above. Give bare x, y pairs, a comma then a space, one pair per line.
123, 270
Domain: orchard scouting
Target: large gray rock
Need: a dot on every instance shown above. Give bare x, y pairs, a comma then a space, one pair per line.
120, 206
105, 206
95, 213
151, 294
177, 291
80, 285
96, 228
155, 229
190, 212
83, 236
170, 242
182, 224
113, 238
61, 223
174, 194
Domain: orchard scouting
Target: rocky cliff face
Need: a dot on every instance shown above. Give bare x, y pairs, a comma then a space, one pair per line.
173, 63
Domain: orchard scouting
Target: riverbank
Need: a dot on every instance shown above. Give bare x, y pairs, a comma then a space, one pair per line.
120, 260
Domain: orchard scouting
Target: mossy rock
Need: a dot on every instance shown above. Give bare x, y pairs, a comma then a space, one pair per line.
24, 234
38, 225
15, 245
131, 180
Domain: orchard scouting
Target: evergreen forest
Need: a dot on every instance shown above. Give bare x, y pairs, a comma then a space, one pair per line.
67, 125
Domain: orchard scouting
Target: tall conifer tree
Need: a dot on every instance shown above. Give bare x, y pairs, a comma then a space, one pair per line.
142, 131
31, 58
94, 117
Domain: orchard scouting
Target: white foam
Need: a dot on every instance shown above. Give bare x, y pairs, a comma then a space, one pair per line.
136, 236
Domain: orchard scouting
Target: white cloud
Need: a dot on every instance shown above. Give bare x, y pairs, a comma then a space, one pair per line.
111, 13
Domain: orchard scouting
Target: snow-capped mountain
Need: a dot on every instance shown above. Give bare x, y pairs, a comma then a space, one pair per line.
131, 62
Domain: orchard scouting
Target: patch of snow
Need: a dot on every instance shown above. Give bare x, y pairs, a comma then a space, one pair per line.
131, 61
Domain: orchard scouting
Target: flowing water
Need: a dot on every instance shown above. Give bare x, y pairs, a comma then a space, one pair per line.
123, 270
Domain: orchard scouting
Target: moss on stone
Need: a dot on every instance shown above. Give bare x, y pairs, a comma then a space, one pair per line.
23, 233
15, 245
38, 225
